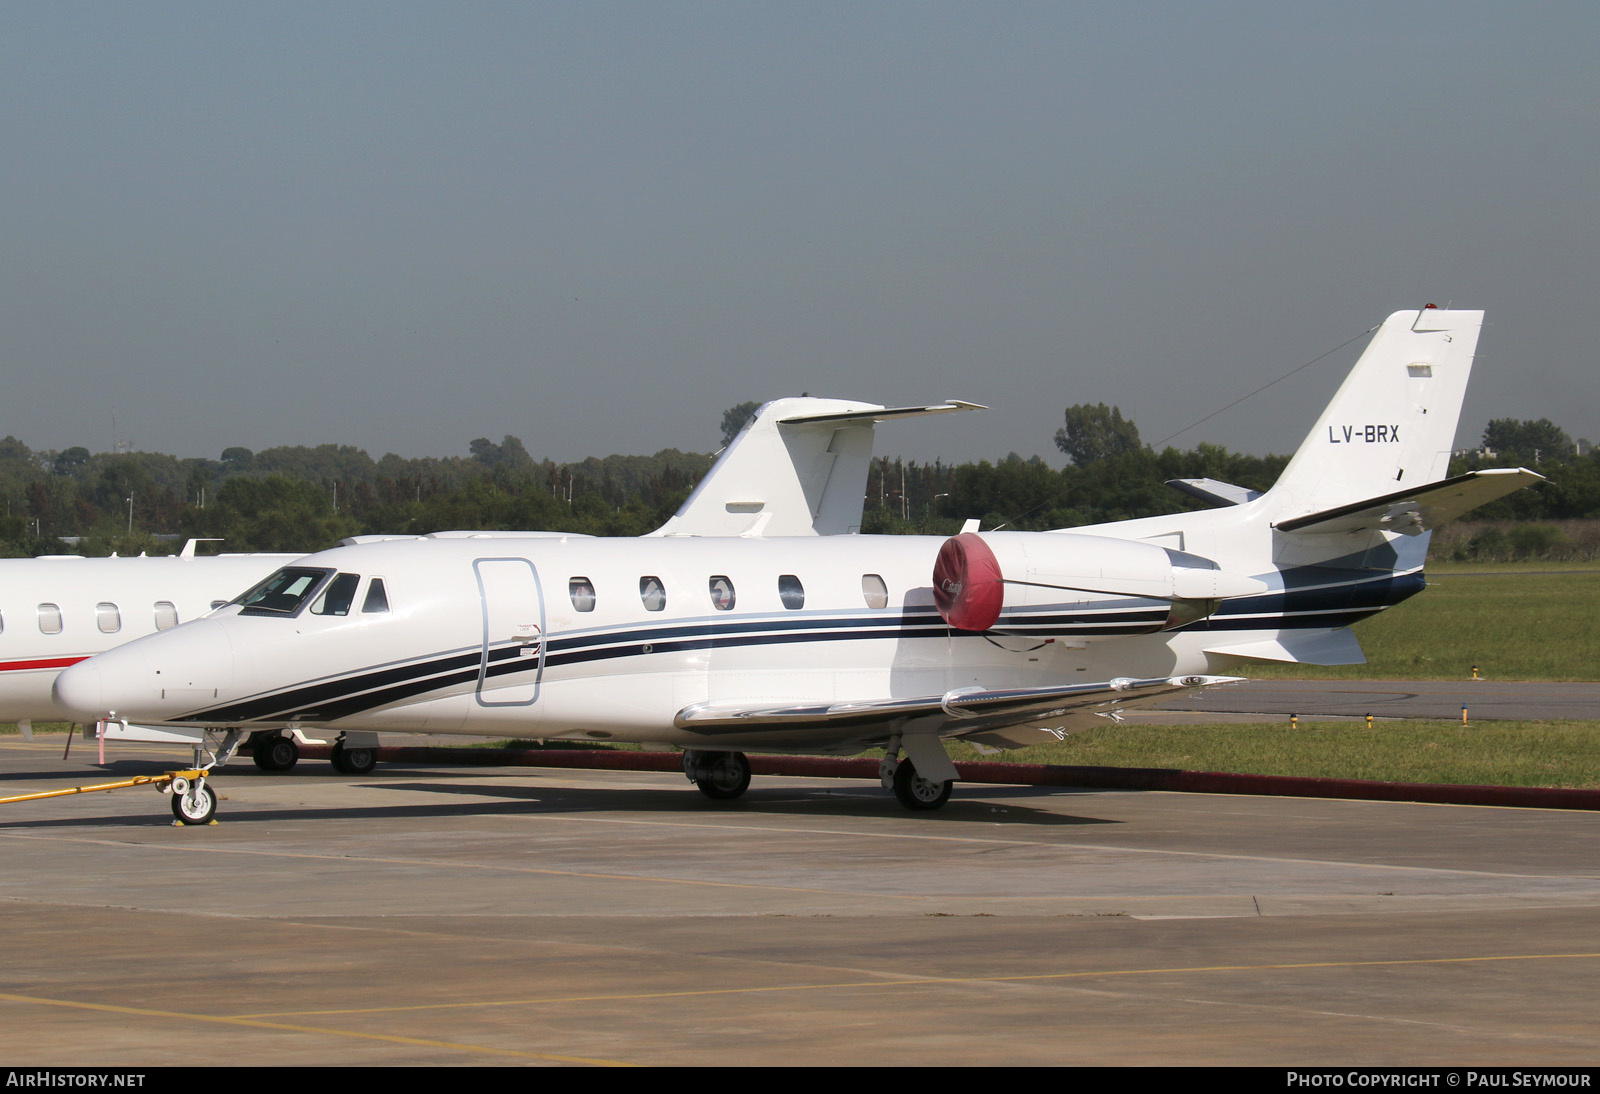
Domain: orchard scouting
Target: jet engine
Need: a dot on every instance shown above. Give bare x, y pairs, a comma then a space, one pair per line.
978, 575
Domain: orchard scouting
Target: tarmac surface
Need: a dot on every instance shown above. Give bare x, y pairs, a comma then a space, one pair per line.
492, 916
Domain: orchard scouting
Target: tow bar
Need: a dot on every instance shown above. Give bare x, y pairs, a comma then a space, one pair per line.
193, 802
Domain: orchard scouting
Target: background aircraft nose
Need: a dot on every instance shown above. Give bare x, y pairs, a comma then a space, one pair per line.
77, 691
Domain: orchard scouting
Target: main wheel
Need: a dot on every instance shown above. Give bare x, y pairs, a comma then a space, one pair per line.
195, 805
915, 792
353, 761
274, 751
726, 776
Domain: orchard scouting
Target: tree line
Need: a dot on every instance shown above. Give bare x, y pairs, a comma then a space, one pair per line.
307, 498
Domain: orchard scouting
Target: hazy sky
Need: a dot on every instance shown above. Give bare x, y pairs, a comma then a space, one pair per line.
596, 226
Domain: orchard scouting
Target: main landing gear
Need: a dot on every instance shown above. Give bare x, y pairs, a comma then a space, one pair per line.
721, 776
274, 751
912, 789
353, 761
724, 776
352, 754
916, 793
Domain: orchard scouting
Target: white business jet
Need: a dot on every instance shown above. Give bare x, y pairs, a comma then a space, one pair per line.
747, 624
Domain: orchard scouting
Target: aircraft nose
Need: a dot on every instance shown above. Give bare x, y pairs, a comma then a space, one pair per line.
77, 691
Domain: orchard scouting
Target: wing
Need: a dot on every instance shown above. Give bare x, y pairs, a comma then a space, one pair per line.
997, 717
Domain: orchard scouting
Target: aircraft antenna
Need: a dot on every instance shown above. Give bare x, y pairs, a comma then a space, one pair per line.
1260, 389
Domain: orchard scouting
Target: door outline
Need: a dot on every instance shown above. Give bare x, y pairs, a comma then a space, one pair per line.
505, 624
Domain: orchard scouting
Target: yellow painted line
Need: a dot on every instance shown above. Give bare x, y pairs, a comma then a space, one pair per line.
258, 1023
928, 981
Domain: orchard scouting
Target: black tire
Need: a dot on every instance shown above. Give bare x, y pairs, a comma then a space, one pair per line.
917, 793
727, 776
274, 752
353, 761
197, 806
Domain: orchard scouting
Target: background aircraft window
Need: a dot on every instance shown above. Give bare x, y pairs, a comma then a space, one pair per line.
50, 618
581, 590
340, 595
722, 594
107, 617
791, 592
875, 591
166, 615
2, 623
652, 593
377, 599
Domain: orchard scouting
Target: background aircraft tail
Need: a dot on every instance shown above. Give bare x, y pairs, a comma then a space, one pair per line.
798, 468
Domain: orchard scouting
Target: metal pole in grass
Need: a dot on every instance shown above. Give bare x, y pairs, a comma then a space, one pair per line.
1369, 721
1294, 721
1463, 714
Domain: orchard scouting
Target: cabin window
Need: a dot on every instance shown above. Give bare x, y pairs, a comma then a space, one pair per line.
340, 594
107, 617
722, 593
50, 618
791, 592
2, 623
377, 600
581, 590
166, 615
653, 594
874, 591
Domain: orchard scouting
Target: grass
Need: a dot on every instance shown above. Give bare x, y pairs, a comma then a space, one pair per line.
1512, 623
9, 730
1560, 754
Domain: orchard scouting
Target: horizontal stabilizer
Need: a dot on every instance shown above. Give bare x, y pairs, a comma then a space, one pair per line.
959, 713
1332, 646
1421, 509
1214, 491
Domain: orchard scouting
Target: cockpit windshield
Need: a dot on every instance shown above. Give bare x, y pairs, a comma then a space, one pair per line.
284, 593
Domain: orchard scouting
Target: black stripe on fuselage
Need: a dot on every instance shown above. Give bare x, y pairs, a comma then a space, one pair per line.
340, 697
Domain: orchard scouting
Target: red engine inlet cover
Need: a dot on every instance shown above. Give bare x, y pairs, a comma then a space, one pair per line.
967, 586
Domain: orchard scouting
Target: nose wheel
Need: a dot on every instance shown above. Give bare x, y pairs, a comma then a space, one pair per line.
196, 803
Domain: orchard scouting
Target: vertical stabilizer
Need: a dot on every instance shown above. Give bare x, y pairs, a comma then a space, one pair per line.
1393, 422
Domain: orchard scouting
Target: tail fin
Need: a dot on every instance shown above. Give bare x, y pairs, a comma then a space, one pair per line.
1391, 426
798, 468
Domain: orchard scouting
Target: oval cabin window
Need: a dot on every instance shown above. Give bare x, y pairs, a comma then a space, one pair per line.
791, 592
50, 618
